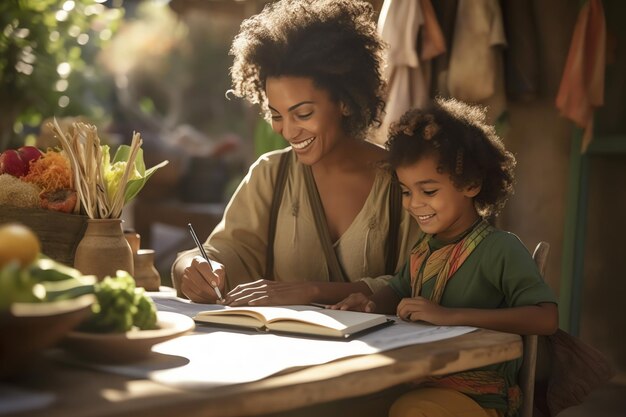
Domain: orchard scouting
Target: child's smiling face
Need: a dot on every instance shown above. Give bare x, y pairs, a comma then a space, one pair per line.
434, 201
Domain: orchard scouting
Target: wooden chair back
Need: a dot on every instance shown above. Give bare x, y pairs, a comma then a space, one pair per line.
527, 372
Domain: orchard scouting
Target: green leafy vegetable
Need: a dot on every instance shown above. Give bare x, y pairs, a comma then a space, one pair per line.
145, 318
114, 171
16, 286
120, 306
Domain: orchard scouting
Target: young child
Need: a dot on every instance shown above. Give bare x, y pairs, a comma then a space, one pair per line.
454, 172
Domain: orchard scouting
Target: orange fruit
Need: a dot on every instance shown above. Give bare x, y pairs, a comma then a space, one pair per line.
18, 242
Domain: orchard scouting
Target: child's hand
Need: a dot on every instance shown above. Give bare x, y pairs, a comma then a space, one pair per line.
422, 309
356, 302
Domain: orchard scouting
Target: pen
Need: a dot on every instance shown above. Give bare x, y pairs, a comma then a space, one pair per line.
204, 255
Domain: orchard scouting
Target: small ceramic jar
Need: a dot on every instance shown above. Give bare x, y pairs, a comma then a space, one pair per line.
146, 275
133, 239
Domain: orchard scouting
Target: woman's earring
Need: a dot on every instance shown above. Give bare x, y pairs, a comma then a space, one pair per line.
345, 111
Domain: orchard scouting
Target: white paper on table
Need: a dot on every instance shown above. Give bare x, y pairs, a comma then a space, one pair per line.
169, 302
213, 357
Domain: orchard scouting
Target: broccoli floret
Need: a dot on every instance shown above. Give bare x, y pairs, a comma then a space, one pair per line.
119, 306
146, 316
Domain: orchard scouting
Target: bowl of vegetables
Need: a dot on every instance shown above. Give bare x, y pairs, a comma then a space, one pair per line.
40, 299
124, 324
44, 303
130, 346
36, 190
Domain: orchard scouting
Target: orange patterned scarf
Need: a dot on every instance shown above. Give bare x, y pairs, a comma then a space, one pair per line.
444, 262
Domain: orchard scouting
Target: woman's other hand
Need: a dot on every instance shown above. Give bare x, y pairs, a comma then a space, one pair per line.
198, 280
356, 302
265, 292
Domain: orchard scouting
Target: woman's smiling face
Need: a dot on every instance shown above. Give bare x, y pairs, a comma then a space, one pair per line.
434, 201
306, 116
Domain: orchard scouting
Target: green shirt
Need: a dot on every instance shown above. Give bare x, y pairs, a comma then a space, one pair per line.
499, 273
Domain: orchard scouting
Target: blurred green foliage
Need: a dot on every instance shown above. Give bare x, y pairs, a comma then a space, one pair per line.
265, 139
190, 53
48, 65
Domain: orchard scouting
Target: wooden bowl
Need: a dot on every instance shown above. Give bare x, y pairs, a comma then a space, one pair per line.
28, 328
126, 347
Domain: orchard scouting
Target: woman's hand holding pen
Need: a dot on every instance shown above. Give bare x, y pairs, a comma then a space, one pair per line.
200, 279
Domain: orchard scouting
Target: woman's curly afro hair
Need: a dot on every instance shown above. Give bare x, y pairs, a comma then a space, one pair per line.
468, 149
333, 42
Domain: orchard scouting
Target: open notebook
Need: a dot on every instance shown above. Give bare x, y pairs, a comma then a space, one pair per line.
307, 320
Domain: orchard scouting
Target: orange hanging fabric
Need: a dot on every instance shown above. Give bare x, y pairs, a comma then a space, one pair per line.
476, 67
582, 85
433, 42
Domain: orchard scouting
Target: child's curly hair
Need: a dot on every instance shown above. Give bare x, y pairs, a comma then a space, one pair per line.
333, 42
468, 149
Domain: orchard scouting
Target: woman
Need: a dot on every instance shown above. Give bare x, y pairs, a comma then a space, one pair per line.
315, 68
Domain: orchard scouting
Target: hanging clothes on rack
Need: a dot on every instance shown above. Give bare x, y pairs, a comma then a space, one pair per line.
582, 85
522, 55
476, 68
538, 35
445, 13
411, 30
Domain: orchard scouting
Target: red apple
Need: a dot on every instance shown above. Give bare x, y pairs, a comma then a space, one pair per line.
29, 153
12, 163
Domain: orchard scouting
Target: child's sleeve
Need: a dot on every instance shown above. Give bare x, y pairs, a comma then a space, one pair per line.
517, 274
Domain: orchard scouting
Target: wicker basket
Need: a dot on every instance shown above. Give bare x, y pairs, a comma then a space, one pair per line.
59, 233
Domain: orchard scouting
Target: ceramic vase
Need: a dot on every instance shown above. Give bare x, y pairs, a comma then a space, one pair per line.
146, 275
103, 249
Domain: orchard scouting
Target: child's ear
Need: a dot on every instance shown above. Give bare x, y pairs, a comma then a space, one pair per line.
472, 191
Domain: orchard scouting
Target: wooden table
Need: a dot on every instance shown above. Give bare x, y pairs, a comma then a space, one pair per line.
83, 392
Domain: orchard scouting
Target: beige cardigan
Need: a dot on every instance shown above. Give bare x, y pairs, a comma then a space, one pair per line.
239, 241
